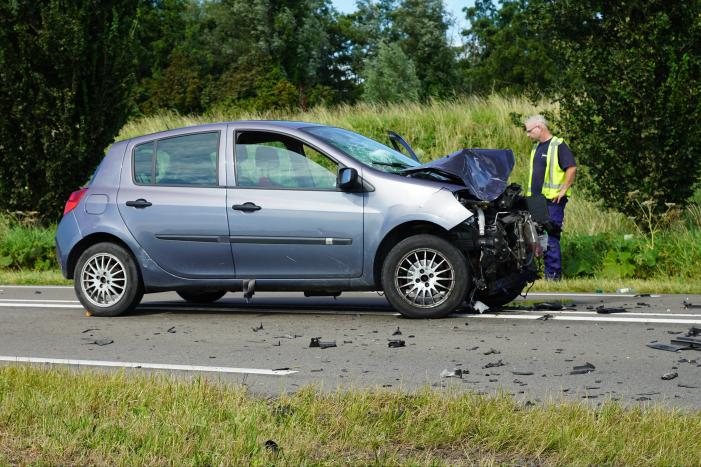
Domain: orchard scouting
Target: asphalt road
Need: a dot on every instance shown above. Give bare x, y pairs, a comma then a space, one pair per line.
532, 358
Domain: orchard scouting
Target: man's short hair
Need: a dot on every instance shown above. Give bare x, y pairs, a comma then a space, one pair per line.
538, 120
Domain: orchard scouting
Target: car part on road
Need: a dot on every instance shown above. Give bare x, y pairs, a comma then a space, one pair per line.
582, 369
317, 342
107, 280
456, 373
547, 306
545, 317
494, 364
668, 348
601, 309
688, 341
257, 328
395, 343
397, 332
201, 296
688, 305
102, 342
522, 373
669, 376
693, 331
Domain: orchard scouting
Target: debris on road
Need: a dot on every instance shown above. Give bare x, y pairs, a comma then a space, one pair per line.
547, 306
317, 342
491, 352
693, 331
545, 317
601, 309
479, 307
102, 342
668, 376
668, 348
90, 329
687, 386
582, 369
521, 373
172, 330
394, 343
688, 341
687, 304
257, 328
288, 336
494, 364
397, 332
456, 373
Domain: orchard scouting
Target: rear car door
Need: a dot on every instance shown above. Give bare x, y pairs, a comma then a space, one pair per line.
171, 201
287, 217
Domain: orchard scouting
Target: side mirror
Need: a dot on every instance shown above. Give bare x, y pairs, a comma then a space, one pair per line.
347, 178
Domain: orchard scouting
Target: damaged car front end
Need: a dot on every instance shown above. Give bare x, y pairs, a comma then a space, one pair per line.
507, 232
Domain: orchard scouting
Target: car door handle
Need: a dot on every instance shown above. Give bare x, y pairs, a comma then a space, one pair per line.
139, 203
246, 207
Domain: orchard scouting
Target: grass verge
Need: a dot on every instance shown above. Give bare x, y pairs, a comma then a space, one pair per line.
24, 277
59, 417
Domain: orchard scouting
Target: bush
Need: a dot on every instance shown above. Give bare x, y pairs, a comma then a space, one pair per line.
23, 245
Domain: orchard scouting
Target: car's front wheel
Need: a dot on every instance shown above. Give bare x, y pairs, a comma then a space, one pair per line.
425, 276
106, 280
205, 296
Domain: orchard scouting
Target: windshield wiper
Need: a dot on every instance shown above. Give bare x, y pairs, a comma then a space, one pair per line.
396, 165
436, 171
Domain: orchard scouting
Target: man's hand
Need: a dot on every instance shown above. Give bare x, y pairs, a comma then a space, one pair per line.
560, 195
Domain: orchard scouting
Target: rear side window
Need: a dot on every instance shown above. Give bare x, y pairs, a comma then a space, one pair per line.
188, 160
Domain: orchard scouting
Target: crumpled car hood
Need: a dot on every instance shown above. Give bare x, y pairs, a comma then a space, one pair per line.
484, 172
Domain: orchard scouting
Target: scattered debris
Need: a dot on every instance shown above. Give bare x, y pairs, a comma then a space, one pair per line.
642, 295
102, 342
643, 304
625, 290
88, 314
479, 307
474, 348
582, 369
279, 343
288, 336
258, 328
272, 446
172, 330
397, 332
601, 309
394, 343
494, 364
490, 351
456, 373
687, 304
688, 341
668, 376
687, 386
317, 342
693, 331
545, 317
90, 329
669, 348
38, 292
522, 373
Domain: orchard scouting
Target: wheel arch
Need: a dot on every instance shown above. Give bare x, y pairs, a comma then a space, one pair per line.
396, 235
91, 240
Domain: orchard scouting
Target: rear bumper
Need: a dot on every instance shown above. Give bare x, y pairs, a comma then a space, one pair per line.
67, 235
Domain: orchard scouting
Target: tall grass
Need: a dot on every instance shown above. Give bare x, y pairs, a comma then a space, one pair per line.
60, 417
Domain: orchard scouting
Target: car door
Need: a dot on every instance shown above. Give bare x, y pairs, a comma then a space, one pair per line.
287, 218
172, 203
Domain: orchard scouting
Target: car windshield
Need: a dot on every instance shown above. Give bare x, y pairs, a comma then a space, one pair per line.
363, 149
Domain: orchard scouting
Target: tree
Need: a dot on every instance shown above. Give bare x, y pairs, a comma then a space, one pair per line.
391, 76
630, 95
503, 50
66, 81
421, 27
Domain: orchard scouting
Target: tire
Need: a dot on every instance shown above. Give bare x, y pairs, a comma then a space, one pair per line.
205, 296
107, 281
415, 259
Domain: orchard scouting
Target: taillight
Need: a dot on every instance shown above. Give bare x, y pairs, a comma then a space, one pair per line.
73, 200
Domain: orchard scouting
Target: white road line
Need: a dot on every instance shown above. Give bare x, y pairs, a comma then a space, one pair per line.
36, 287
589, 318
627, 313
155, 366
567, 294
35, 300
38, 305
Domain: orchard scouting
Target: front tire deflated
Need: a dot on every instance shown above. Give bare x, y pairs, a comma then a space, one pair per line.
107, 280
425, 276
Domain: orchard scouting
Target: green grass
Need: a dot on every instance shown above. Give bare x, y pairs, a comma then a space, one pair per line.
60, 417
28, 277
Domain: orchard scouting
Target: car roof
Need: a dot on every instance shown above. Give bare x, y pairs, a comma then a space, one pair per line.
253, 124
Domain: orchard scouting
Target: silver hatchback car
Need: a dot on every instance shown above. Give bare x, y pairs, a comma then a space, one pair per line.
290, 206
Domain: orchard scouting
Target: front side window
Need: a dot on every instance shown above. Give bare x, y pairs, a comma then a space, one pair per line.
188, 160
269, 160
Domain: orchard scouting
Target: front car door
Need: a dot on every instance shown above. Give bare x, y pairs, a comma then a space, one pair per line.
171, 201
287, 218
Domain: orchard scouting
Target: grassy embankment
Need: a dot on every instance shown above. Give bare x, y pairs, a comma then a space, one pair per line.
596, 254
61, 417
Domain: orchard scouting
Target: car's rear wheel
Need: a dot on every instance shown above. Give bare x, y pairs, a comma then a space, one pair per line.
425, 276
205, 296
107, 280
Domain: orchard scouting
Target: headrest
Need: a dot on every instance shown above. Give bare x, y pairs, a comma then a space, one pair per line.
267, 157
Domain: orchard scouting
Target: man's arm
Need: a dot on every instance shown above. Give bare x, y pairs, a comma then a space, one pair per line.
569, 180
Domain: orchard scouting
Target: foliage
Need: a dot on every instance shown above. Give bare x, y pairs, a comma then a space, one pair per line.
25, 245
66, 75
504, 53
391, 77
630, 94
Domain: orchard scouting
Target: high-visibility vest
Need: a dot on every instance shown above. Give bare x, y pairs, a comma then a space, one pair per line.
554, 175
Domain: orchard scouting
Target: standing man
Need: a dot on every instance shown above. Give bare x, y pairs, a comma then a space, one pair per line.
552, 174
